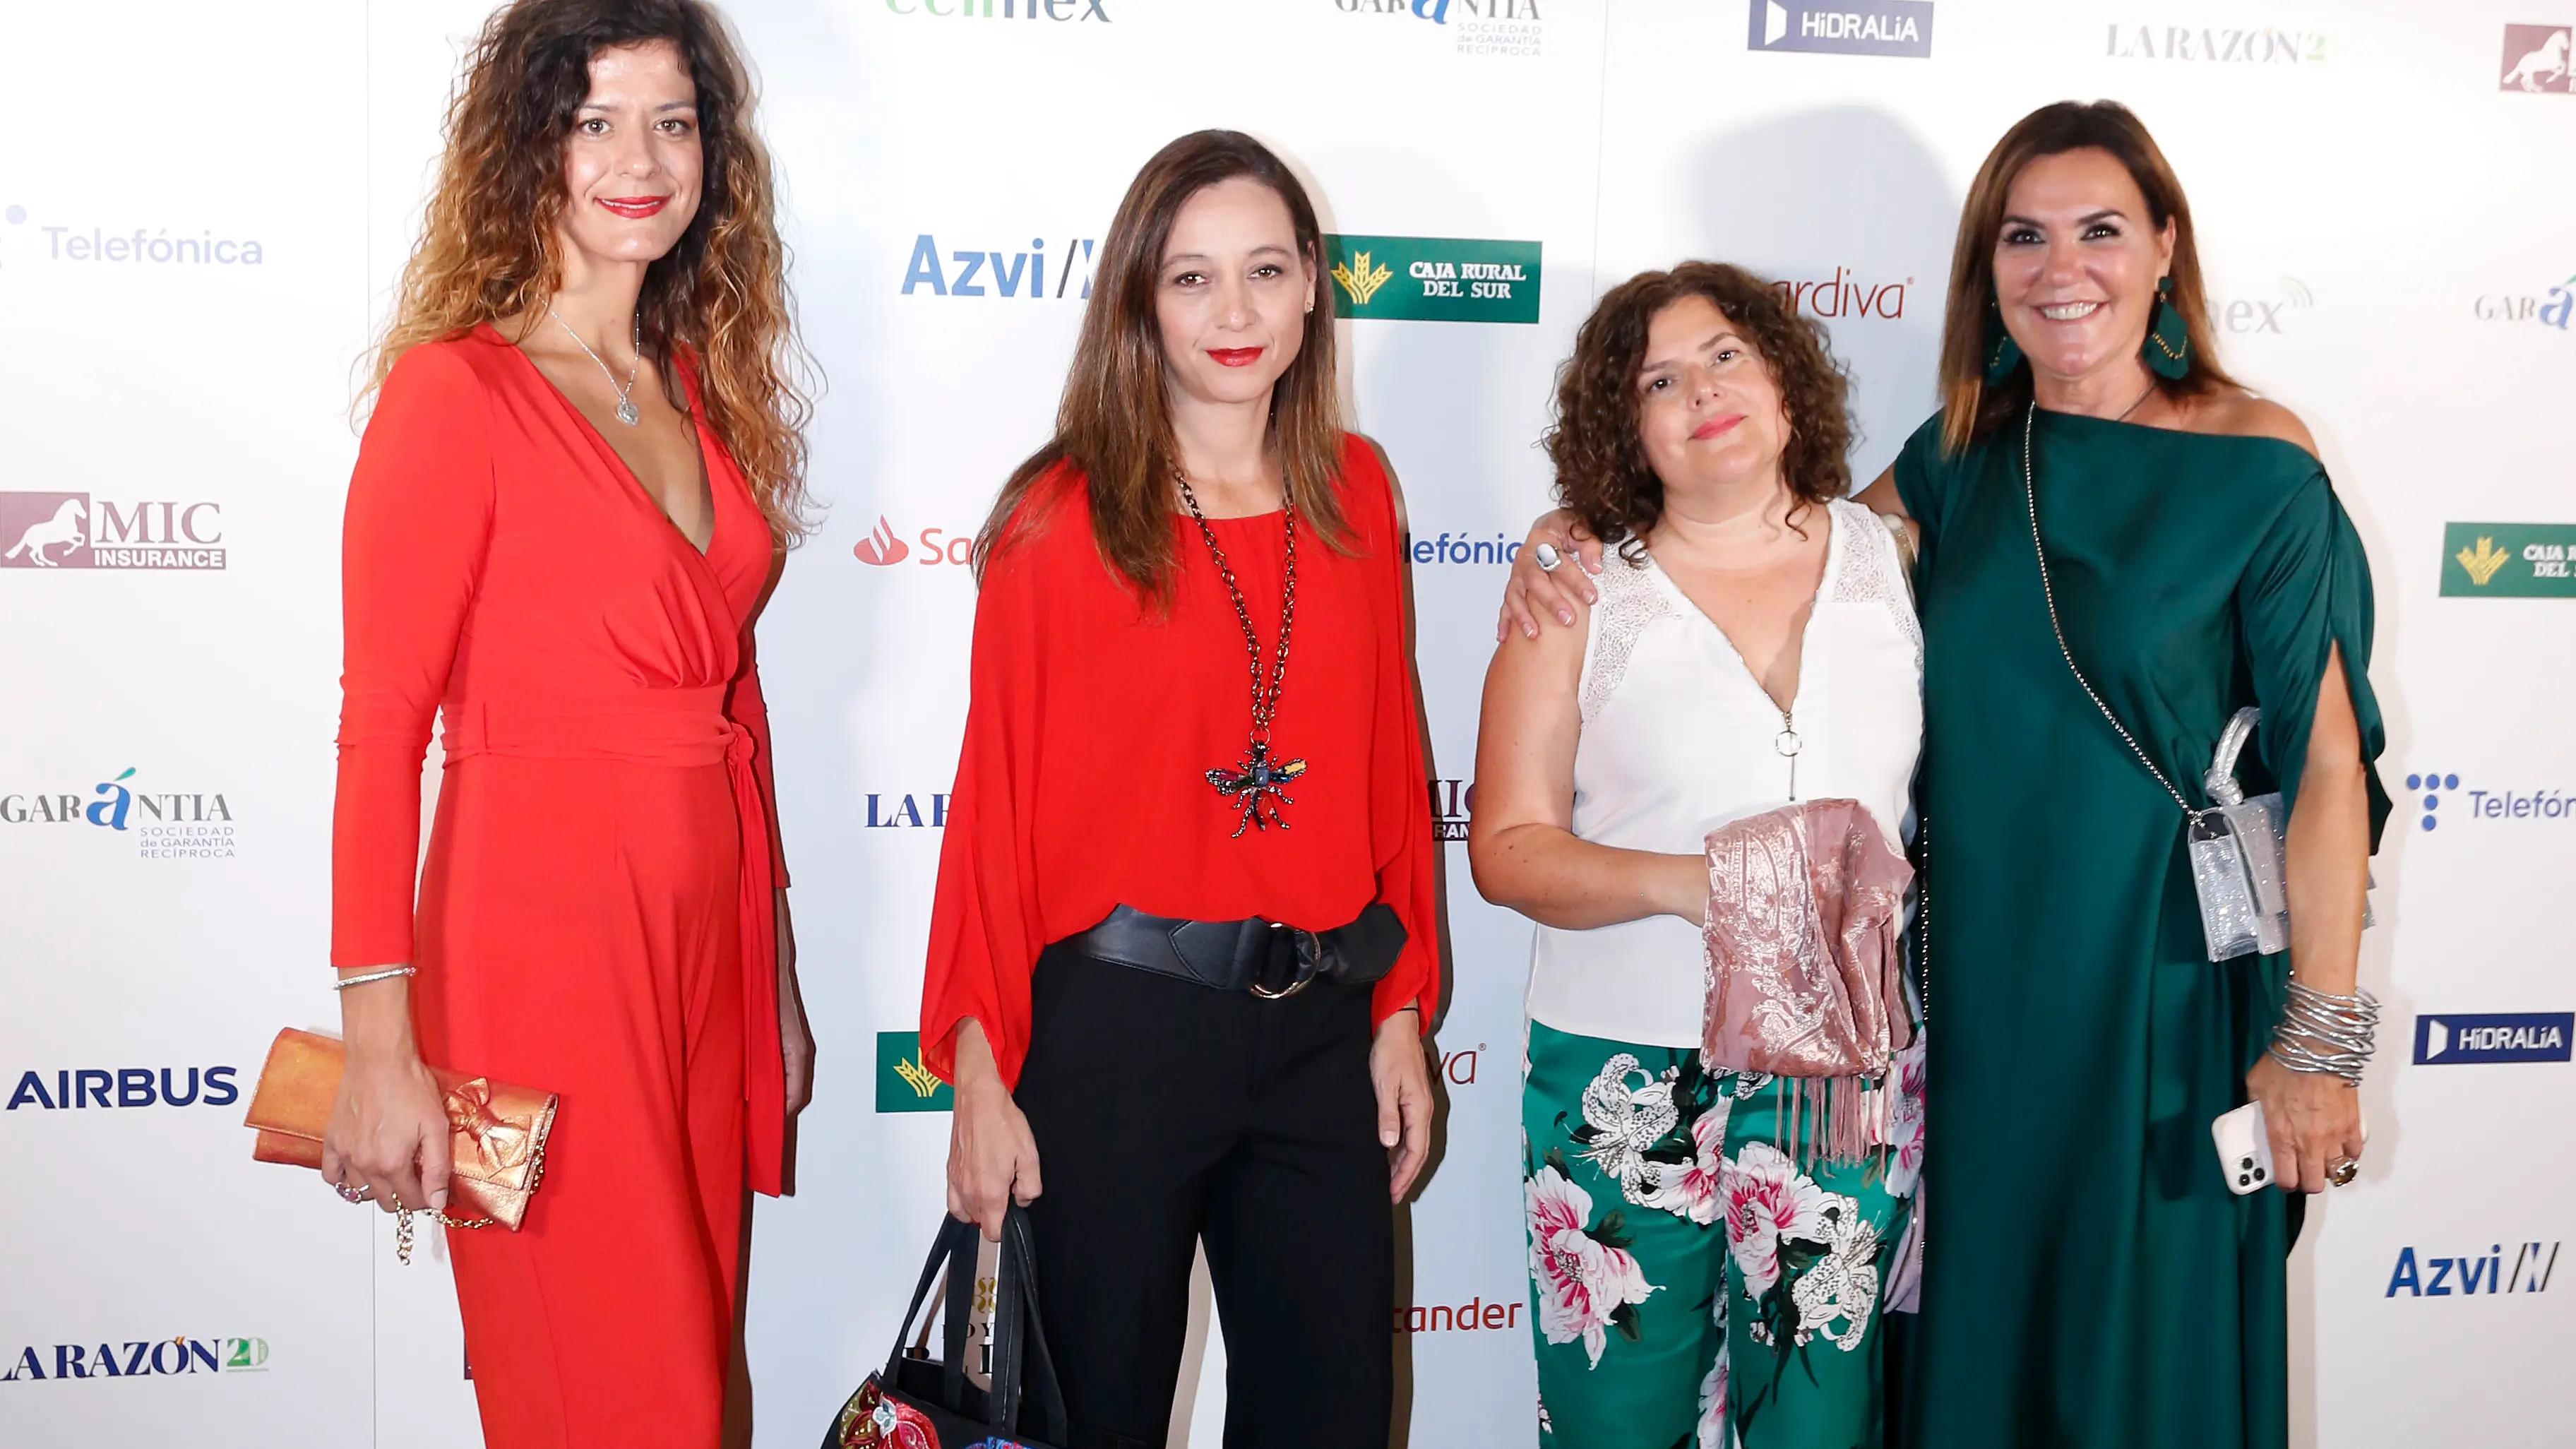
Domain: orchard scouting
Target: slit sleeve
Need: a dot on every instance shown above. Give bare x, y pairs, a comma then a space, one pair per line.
2307, 590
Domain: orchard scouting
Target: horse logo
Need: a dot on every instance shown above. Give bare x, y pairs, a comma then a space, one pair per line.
2537, 56
67, 529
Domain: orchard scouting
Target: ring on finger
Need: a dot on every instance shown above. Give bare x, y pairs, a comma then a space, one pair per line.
1548, 557
349, 1192
2344, 1171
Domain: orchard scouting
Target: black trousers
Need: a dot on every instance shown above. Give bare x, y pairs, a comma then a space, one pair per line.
1167, 1113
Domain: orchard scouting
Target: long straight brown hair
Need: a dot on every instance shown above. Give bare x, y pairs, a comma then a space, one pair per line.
1115, 421
1970, 407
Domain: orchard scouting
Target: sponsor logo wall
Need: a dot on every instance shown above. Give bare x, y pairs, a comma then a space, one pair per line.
2372, 183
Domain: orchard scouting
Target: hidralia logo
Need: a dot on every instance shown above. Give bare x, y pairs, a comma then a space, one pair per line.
903, 1083
2247, 316
1844, 27
1075, 11
1844, 294
138, 1358
72, 531
1485, 28
2535, 59
2468, 1274
1453, 804
1434, 279
969, 272
935, 546
75, 1087
2457, 1039
887, 812
2551, 308
169, 826
2218, 44
2509, 560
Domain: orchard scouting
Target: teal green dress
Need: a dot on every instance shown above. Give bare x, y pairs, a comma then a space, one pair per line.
2089, 1281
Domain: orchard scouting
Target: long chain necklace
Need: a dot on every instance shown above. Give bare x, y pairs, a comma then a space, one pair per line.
626, 412
1254, 783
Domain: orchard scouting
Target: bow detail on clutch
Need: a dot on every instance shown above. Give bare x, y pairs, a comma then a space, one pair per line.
499, 1144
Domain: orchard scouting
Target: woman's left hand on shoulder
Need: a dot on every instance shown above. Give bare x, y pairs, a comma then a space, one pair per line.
2314, 1120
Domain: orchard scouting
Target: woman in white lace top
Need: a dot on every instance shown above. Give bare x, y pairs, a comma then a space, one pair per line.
1698, 1272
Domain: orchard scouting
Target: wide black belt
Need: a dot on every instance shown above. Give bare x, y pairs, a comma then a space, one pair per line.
1263, 957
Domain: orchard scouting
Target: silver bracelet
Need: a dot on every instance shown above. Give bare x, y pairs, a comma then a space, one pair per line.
2326, 1033
345, 982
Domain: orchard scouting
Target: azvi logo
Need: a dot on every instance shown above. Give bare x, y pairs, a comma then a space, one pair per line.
2457, 1039
75, 531
2468, 1274
1844, 27
974, 272
2535, 59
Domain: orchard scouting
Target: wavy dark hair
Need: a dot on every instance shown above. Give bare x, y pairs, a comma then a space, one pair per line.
1602, 475
1115, 422
1970, 408
489, 252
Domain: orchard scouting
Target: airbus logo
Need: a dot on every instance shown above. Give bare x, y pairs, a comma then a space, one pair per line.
2462, 1039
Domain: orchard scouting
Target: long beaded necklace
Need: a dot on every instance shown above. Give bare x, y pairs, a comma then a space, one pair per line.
1254, 783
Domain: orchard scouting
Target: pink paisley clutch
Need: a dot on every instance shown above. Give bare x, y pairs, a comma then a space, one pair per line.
1805, 978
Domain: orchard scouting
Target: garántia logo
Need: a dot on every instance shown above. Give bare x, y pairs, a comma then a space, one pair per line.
2552, 307
2509, 560
1434, 279
2468, 1274
1506, 29
136, 1358
172, 825
972, 272
1901, 28
47, 530
2535, 59
2463, 1039
2217, 44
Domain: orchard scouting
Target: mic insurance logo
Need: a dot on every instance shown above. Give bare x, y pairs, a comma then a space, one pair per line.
1900, 28
75, 531
2535, 59
2463, 1039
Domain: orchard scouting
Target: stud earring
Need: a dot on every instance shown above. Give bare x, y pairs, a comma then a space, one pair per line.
2168, 346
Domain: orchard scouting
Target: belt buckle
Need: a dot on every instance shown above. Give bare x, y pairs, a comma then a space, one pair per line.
1302, 982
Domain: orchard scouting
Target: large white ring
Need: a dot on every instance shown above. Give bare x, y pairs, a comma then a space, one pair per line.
1548, 557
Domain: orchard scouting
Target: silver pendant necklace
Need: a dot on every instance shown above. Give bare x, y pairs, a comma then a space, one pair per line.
626, 412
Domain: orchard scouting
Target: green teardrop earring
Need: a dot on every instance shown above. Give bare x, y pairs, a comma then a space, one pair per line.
2003, 355
2168, 347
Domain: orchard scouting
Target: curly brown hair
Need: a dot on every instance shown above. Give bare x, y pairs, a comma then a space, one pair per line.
487, 250
1602, 475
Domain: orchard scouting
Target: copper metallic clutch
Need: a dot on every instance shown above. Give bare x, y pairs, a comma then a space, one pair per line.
500, 1129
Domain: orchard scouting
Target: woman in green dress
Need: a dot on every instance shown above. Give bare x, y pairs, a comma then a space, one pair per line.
2090, 1281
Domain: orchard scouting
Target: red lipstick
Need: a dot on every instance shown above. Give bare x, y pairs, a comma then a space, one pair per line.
635, 208
1235, 356
1723, 423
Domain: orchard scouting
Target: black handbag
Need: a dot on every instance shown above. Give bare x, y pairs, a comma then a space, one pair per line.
920, 1404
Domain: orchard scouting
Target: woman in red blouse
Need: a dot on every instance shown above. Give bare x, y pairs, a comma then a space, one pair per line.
1183, 948
580, 472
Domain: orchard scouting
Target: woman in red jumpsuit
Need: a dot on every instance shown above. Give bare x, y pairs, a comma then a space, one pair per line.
574, 492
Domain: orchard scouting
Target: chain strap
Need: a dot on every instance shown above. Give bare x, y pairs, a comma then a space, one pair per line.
2030, 498
1265, 701
402, 1226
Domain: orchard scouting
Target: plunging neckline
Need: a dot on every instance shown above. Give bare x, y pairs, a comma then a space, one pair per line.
1825, 580
697, 434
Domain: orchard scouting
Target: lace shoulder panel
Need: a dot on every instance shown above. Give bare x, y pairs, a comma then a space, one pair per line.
1629, 602
1871, 571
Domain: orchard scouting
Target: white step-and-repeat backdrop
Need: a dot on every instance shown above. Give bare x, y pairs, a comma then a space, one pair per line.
201, 207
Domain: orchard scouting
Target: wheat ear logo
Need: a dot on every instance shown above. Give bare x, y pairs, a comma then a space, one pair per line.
2482, 561
921, 1082
1360, 279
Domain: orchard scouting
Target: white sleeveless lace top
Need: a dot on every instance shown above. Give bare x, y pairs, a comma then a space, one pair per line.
1679, 738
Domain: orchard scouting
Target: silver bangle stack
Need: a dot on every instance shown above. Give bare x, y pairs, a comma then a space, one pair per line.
2323, 1032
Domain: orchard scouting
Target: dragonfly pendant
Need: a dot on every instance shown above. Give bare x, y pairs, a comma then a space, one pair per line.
1256, 786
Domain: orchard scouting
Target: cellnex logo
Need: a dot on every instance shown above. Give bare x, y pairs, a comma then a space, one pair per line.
2247, 316
1076, 11
1435, 279
171, 826
935, 546
1453, 803
2549, 310
2463, 1040
72, 531
903, 1083
138, 1358
972, 273
888, 812
2509, 560
2535, 59
75, 1087
1471, 1316
2468, 1275
1489, 28
1844, 27
2222, 45
1844, 294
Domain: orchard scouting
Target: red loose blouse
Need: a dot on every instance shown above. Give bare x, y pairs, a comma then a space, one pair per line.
1093, 721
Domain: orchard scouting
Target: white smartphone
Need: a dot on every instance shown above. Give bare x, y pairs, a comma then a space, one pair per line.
2244, 1149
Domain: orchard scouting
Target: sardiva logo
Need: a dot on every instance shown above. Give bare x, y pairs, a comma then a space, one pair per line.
2535, 59
171, 825
970, 272
2218, 44
1901, 28
2460, 1039
903, 1083
2509, 560
1063, 11
1435, 279
137, 1358
75, 531
2470, 1274
72, 1088
1844, 294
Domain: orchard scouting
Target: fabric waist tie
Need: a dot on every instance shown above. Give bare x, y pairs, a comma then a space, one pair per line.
680, 728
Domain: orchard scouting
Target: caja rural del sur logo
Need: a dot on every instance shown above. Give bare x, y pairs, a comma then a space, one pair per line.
75, 531
903, 1083
136, 1358
1901, 28
2508, 560
1434, 279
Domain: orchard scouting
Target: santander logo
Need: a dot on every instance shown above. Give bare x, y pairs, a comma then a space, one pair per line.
881, 546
